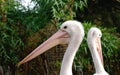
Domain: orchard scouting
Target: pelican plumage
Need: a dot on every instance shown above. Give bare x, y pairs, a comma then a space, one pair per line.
71, 32
94, 44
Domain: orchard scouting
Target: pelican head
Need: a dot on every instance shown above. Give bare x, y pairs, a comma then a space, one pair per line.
94, 36
94, 44
63, 36
73, 27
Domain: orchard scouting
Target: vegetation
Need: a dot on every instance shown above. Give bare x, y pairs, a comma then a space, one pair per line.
21, 27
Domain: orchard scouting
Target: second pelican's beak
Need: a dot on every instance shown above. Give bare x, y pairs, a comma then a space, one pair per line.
60, 37
99, 49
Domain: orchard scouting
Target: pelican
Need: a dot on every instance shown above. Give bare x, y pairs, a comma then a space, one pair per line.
94, 44
71, 32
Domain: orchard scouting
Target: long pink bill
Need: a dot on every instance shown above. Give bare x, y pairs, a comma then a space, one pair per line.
60, 37
99, 49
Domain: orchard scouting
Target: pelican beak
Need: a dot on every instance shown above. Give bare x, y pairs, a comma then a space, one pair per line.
60, 37
99, 49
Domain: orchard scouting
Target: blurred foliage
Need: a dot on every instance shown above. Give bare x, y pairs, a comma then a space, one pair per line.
10, 44
11, 35
101, 12
39, 16
63, 10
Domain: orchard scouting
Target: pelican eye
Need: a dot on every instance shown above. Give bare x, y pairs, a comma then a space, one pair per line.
65, 27
100, 35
